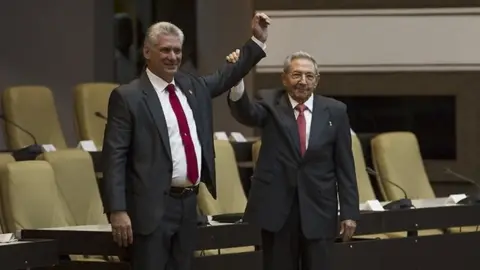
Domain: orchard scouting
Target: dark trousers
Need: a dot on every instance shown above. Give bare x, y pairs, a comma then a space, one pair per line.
288, 249
171, 245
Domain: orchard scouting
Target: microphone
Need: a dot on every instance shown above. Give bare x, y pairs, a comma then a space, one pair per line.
19, 127
470, 199
100, 115
29, 152
404, 203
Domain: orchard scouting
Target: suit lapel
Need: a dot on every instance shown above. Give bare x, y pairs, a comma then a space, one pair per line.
287, 119
186, 87
320, 121
155, 108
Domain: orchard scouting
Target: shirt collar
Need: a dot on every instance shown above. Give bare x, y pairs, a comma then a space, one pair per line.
308, 104
157, 82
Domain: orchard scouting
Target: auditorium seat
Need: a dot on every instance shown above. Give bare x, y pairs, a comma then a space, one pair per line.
230, 194
30, 197
76, 181
396, 157
255, 151
33, 109
365, 189
5, 158
91, 99
206, 203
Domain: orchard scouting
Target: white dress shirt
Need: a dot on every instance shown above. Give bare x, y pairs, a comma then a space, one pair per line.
237, 91
179, 174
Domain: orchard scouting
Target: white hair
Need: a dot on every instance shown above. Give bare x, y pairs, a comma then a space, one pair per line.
163, 28
299, 55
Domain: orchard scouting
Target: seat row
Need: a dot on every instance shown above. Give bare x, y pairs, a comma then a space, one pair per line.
31, 115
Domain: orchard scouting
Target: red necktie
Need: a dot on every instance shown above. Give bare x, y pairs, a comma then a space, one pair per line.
192, 165
302, 127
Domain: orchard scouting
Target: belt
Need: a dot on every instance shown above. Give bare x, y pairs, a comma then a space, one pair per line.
183, 191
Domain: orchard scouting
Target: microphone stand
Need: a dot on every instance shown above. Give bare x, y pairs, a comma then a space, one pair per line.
29, 152
404, 203
470, 199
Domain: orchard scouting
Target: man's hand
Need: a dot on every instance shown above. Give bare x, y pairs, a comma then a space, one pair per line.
347, 229
233, 56
121, 228
260, 24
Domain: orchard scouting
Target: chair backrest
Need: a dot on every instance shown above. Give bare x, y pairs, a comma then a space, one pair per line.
33, 108
365, 189
397, 158
206, 203
5, 158
30, 197
230, 193
77, 183
90, 99
255, 151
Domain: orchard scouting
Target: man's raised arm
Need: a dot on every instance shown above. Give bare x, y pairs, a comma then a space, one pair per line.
252, 52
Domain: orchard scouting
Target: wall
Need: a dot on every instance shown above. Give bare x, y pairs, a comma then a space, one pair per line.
57, 44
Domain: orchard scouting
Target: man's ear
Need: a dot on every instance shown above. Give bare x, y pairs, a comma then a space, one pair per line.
146, 52
283, 77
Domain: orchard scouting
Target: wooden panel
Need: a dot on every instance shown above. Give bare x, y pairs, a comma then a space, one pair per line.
359, 4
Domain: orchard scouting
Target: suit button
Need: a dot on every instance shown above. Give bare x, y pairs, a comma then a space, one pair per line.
170, 171
165, 193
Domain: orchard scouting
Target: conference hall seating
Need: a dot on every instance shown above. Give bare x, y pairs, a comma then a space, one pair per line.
397, 158
31, 108
91, 102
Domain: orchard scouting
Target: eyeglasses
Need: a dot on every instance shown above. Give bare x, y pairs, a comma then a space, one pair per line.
309, 77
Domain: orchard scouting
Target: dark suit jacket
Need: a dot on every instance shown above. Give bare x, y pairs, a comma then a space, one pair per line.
136, 151
281, 170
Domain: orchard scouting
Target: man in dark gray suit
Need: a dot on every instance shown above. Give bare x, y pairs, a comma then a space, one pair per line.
158, 146
305, 158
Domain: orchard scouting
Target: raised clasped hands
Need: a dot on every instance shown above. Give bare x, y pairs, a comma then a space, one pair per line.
233, 56
260, 23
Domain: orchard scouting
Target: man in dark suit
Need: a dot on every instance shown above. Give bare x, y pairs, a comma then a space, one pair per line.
305, 158
158, 146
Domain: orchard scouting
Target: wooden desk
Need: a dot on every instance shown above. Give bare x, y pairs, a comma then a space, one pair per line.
28, 254
447, 251
97, 240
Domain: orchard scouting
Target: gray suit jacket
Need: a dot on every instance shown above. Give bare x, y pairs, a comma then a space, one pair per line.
136, 150
281, 170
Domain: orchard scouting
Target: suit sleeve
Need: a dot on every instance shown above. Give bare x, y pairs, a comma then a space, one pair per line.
246, 112
116, 143
345, 170
230, 74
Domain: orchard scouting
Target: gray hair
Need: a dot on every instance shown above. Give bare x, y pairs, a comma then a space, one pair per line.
162, 28
299, 55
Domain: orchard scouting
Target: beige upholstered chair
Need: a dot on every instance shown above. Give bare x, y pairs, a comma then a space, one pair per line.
397, 158
90, 99
30, 197
206, 203
33, 108
365, 189
230, 194
256, 151
76, 181
5, 158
